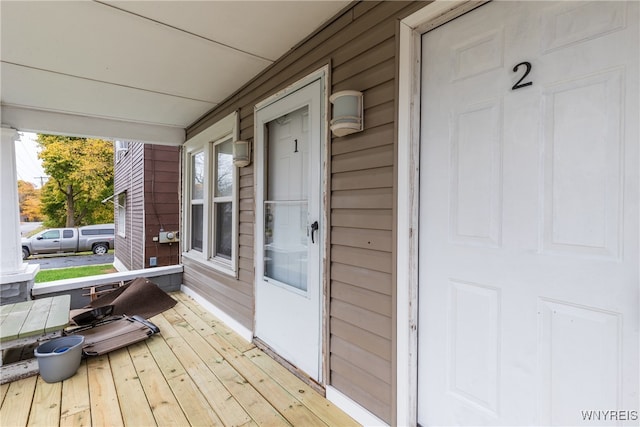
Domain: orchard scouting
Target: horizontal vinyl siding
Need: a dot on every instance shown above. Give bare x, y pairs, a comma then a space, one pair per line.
136, 219
162, 202
232, 296
360, 46
246, 236
361, 280
129, 177
362, 203
121, 182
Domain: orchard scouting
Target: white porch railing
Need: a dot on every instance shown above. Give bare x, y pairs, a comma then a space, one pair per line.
168, 278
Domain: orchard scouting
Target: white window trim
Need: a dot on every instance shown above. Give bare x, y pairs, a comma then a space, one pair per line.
213, 200
205, 141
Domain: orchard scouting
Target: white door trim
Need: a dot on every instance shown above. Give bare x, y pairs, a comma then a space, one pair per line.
409, 57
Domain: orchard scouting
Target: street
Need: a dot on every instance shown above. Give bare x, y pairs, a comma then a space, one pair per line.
62, 260
69, 260
27, 227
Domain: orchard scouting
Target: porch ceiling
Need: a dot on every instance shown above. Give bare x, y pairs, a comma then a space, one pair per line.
141, 70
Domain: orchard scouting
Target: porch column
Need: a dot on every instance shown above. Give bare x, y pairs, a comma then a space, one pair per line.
16, 277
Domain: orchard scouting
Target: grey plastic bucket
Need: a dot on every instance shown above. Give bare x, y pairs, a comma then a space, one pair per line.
59, 358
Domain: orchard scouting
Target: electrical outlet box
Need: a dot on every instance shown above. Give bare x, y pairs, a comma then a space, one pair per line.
169, 236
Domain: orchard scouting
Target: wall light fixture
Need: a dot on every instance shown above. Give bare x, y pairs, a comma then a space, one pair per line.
241, 153
347, 115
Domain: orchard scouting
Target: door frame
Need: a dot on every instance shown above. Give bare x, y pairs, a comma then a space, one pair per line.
322, 74
411, 30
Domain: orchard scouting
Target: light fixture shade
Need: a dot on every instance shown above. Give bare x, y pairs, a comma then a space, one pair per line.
347, 112
241, 153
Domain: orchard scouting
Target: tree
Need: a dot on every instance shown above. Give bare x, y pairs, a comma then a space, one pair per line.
81, 176
29, 199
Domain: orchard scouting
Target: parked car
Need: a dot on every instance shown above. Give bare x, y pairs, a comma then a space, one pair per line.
96, 238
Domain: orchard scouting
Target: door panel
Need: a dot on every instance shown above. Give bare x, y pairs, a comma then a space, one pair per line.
69, 241
47, 242
288, 203
528, 289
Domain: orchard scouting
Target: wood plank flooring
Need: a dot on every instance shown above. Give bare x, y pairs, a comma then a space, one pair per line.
196, 372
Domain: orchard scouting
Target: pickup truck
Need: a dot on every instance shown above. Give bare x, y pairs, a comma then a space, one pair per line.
96, 238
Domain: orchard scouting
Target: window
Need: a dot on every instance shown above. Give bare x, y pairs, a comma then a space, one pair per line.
67, 234
51, 234
223, 198
98, 232
211, 196
122, 214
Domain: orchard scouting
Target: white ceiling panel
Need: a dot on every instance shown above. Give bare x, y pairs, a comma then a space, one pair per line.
162, 63
109, 45
96, 99
263, 28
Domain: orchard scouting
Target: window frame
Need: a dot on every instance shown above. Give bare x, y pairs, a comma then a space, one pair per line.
224, 130
46, 234
214, 200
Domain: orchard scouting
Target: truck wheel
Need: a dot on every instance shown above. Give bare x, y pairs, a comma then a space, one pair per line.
100, 249
25, 253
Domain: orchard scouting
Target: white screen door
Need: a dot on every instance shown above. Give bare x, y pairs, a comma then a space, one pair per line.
529, 232
288, 219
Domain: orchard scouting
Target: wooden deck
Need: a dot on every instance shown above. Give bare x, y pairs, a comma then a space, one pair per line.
195, 372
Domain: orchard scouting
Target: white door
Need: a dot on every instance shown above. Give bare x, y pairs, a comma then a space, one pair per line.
528, 306
288, 218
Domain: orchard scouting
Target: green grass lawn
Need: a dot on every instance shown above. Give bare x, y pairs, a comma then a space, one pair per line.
71, 272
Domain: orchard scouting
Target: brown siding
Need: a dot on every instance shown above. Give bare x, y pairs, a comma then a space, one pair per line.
161, 202
232, 296
129, 177
360, 46
150, 174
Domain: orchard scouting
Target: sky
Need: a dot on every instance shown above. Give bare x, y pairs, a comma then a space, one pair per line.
28, 166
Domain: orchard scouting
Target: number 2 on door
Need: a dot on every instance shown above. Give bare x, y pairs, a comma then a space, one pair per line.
519, 83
